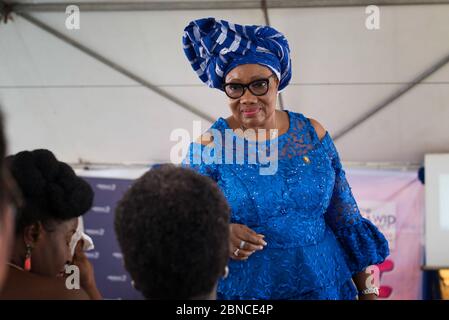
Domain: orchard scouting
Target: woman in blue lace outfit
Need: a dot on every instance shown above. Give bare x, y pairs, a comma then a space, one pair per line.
296, 230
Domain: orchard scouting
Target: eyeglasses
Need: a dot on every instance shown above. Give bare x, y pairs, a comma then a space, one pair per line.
257, 87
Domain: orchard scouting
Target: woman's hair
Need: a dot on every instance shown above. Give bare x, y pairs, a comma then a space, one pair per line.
51, 190
173, 229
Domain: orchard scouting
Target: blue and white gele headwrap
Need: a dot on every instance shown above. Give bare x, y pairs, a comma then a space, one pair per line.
215, 47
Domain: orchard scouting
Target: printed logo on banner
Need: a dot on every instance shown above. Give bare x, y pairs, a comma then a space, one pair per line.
95, 232
107, 187
117, 255
99, 209
99, 222
115, 278
385, 267
93, 254
383, 215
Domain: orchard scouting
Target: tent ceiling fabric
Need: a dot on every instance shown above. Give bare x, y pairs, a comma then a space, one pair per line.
59, 98
209, 4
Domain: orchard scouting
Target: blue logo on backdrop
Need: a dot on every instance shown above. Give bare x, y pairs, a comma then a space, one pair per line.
112, 279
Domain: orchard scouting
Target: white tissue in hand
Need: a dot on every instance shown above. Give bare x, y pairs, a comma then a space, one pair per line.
80, 235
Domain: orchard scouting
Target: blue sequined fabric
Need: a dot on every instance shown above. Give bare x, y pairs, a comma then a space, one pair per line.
317, 239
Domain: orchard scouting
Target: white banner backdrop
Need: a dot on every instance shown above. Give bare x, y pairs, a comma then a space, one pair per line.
394, 202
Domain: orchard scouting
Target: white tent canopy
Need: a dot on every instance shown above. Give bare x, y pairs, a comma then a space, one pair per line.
58, 97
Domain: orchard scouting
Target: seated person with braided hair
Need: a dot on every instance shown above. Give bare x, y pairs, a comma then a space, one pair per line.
173, 228
54, 197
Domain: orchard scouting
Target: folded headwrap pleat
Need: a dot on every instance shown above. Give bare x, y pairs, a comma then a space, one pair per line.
214, 47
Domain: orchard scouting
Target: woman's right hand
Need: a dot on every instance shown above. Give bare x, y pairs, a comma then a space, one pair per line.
244, 242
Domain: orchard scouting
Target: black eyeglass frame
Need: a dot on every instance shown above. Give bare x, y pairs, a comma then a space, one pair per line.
248, 86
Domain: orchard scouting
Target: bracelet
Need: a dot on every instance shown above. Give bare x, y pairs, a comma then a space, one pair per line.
374, 290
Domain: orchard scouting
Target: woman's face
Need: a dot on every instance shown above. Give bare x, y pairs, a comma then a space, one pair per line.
249, 110
51, 251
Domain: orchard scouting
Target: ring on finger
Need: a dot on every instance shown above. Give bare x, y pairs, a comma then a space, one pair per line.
236, 252
242, 244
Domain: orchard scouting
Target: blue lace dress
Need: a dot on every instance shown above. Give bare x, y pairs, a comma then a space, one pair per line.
316, 238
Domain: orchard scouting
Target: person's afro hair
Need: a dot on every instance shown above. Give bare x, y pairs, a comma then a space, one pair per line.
51, 190
173, 229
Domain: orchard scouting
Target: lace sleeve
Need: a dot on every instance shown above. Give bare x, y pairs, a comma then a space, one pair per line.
363, 243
